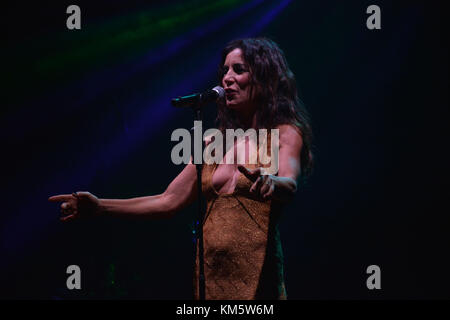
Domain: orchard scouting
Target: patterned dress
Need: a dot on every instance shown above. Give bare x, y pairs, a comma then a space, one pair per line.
242, 249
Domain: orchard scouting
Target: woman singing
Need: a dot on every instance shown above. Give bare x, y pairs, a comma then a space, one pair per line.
242, 249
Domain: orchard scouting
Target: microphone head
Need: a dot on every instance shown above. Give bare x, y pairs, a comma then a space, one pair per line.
220, 92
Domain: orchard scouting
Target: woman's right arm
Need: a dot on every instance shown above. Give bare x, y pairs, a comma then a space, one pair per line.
181, 192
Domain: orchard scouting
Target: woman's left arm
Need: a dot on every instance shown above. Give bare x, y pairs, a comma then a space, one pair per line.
283, 186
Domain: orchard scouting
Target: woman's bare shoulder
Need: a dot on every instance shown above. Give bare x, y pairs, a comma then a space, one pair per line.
289, 134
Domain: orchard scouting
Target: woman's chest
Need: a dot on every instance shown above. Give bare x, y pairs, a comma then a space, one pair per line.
226, 175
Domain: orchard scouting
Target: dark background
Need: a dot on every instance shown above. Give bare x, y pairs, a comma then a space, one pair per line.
379, 107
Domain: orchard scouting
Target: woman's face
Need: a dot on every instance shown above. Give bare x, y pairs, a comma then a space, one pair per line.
236, 81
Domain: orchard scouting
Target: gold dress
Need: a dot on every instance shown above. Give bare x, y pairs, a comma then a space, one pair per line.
243, 259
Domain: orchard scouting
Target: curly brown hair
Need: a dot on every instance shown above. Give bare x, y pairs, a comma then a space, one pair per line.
279, 102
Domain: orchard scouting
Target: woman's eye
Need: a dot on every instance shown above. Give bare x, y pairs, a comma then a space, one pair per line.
238, 69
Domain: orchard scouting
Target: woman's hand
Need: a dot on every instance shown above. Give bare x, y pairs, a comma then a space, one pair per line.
263, 184
77, 205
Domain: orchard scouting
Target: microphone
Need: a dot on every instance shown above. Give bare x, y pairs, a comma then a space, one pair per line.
199, 99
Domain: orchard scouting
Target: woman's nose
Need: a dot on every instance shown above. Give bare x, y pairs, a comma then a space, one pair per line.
228, 80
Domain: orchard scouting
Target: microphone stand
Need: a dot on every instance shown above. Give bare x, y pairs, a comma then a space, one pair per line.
199, 226
196, 101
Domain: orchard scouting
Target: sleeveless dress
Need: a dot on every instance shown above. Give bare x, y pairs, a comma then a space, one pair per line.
243, 258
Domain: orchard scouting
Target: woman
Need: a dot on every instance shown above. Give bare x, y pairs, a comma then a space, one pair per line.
242, 251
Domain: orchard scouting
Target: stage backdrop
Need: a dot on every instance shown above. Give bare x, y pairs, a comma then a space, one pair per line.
89, 109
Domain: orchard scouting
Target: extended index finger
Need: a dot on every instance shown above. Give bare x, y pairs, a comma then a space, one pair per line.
60, 197
252, 175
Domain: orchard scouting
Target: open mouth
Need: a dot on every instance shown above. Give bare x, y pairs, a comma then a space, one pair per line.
230, 96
